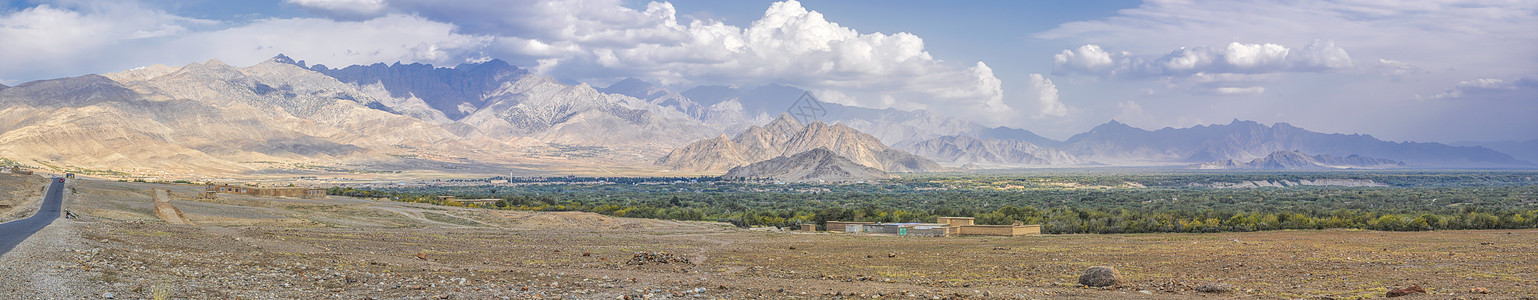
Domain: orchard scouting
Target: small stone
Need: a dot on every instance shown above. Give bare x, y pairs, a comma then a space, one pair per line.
107, 295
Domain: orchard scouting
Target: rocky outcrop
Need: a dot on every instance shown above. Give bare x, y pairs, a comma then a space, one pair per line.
816, 165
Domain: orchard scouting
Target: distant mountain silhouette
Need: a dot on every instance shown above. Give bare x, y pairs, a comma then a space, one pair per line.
1118, 143
1293, 160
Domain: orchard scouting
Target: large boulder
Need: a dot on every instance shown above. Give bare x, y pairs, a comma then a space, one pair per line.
1100, 276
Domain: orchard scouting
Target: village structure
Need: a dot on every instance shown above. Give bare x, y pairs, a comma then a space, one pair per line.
20, 171
943, 226
298, 192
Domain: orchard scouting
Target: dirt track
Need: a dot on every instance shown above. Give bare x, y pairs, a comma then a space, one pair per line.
350, 248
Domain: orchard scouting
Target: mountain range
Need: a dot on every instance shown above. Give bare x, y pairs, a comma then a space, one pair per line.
1294, 160
787, 137
283, 115
968, 150
1527, 151
1118, 143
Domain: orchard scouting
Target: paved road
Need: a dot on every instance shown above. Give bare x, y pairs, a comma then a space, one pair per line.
12, 233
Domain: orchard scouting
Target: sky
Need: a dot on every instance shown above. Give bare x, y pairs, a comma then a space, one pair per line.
1436, 71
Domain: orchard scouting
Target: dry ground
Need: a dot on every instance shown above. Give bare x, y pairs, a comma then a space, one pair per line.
260, 248
19, 195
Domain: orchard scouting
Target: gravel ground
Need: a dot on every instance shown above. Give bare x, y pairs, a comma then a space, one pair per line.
45, 266
344, 248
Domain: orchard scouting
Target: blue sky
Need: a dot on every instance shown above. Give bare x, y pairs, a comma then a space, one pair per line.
1427, 70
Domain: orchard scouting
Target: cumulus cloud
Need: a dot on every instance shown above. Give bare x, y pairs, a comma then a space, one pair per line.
1087, 57
45, 38
1487, 86
584, 40
1044, 93
598, 40
1319, 56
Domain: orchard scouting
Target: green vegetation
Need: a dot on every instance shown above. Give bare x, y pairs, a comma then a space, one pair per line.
1062, 203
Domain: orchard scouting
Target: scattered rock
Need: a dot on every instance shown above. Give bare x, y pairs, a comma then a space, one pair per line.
1215, 288
1479, 290
644, 258
1100, 276
792, 247
107, 295
1405, 291
422, 255
890, 255
586, 254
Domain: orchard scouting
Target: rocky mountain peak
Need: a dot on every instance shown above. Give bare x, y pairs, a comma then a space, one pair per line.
816, 165
284, 59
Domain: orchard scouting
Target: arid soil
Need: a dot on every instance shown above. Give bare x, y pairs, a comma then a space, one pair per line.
262, 248
19, 195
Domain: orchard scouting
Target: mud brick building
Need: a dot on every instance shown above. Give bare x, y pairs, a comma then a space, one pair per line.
296, 192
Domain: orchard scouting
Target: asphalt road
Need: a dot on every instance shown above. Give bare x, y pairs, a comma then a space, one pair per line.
12, 233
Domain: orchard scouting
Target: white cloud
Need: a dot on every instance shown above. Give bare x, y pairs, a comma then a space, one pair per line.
585, 40
50, 39
1130, 112
1228, 90
1240, 58
834, 96
1398, 70
1045, 94
1087, 57
598, 40
1486, 86
386, 39
343, 8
